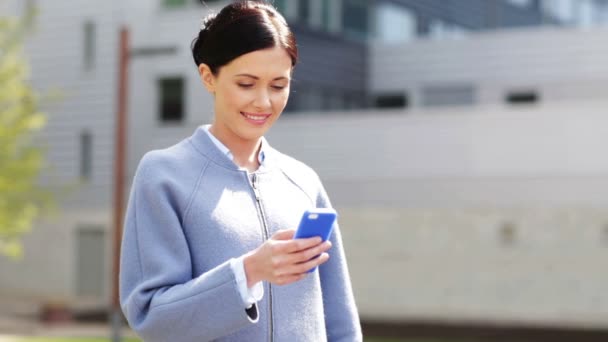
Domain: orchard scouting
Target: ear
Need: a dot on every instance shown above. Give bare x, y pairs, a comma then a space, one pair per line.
207, 77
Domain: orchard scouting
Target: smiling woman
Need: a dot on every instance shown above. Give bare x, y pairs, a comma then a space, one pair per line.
208, 251
250, 94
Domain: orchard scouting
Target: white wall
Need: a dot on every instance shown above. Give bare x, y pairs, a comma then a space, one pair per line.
561, 64
424, 197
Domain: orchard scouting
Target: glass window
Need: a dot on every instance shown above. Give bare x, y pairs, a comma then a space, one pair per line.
391, 100
448, 95
522, 97
89, 45
280, 6
520, 3
86, 155
304, 11
394, 24
174, 3
354, 17
584, 13
171, 94
325, 15
90, 261
601, 12
562, 10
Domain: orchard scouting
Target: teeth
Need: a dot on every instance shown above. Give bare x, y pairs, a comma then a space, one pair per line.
255, 117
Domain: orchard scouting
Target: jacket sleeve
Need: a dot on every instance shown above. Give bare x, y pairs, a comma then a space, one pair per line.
341, 316
160, 297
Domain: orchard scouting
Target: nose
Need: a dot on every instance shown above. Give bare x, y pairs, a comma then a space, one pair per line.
262, 100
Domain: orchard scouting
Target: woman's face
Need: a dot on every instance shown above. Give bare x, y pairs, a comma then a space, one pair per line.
250, 94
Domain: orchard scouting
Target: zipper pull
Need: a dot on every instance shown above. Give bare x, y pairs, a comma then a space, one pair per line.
254, 180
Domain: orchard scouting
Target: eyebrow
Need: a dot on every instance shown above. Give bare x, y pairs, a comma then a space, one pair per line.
257, 78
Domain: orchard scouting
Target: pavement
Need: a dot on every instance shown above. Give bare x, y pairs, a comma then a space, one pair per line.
21, 317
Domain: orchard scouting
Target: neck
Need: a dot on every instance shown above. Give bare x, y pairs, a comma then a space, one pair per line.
244, 151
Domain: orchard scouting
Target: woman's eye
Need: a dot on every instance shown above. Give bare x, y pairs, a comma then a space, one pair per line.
245, 85
278, 87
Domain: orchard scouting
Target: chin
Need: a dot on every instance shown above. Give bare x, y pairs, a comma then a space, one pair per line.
252, 134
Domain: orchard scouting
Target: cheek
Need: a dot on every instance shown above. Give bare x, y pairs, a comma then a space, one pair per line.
280, 99
234, 98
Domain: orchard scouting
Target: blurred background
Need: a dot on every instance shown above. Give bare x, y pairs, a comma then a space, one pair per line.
463, 143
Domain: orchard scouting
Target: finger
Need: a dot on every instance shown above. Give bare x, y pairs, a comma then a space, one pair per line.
284, 234
310, 253
297, 245
304, 267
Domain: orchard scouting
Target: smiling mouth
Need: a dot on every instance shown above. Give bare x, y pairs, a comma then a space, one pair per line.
255, 118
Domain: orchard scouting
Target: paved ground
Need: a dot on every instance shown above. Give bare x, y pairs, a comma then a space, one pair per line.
21, 317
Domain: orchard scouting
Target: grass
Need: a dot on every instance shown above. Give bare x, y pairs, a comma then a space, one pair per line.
76, 339
70, 339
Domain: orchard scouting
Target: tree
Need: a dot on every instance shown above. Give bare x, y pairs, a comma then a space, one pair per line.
22, 198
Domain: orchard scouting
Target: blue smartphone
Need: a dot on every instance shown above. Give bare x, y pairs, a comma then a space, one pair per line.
316, 222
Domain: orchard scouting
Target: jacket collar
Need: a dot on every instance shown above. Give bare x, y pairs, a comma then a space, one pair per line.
204, 145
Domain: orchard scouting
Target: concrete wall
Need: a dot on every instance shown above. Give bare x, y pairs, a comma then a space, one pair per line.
485, 214
559, 64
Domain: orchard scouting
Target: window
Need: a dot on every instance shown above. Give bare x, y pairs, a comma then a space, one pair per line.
354, 17
171, 95
173, 3
562, 10
391, 100
394, 24
89, 45
304, 11
280, 5
600, 9
86, 155
449, 95
520, 3
325, 15
90, 262
522, 97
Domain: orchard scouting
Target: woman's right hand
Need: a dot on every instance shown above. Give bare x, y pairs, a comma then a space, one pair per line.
282, 260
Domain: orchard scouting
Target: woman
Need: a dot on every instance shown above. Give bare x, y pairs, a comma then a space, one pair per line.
207, 252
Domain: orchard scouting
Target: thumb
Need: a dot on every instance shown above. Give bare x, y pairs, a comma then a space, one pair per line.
285, 234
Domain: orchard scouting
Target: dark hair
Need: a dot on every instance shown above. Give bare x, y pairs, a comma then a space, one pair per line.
239, 28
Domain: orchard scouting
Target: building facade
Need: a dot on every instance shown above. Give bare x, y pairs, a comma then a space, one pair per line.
456, 136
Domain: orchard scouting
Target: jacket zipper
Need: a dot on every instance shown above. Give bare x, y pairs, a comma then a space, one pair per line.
266, 234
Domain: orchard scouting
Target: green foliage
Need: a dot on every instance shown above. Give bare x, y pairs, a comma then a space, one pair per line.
21, 197
70, 339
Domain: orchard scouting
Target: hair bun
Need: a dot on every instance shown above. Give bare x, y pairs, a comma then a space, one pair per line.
238, 28
208, 21
199, 41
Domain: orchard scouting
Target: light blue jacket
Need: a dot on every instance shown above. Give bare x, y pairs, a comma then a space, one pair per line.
190, 211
